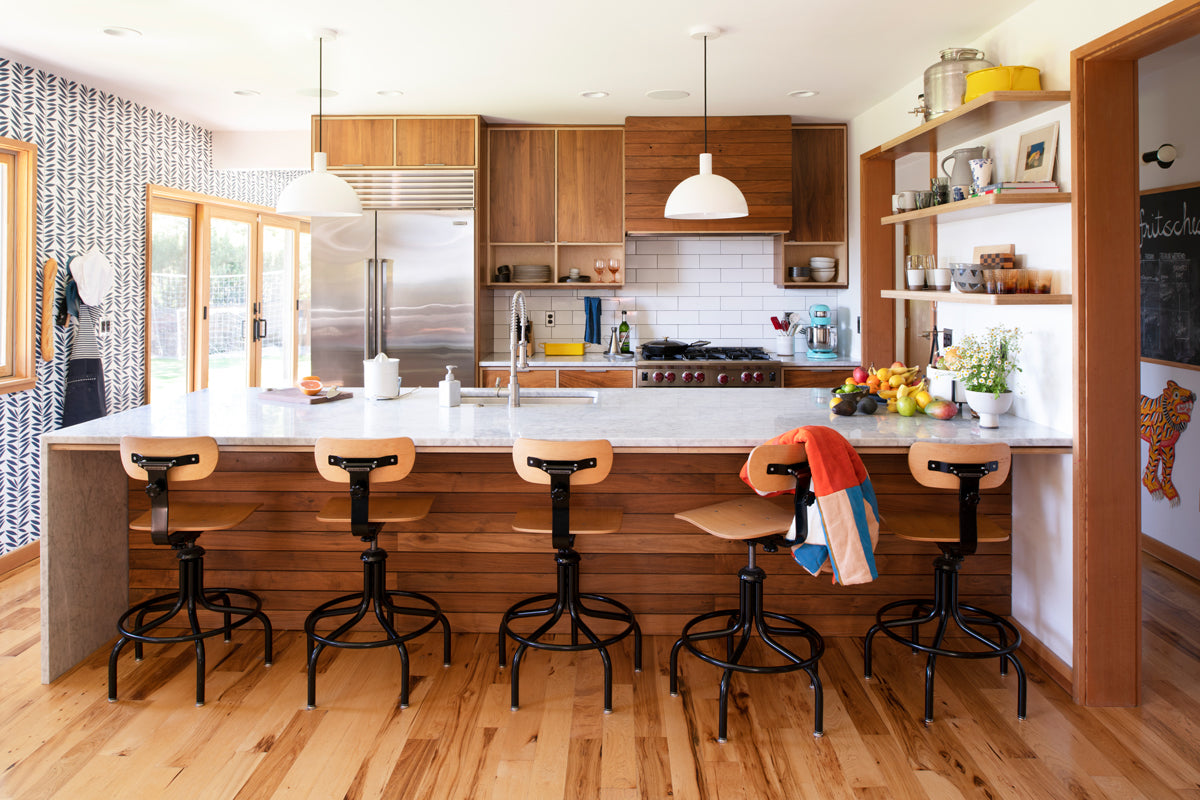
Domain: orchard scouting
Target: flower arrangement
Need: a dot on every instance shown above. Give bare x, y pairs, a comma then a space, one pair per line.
983, 362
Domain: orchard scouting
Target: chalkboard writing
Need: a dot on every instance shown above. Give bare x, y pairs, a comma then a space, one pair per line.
1170, 245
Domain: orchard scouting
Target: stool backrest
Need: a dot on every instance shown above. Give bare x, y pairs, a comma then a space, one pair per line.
921, 453
766, 454
168, 447
550, 450
401, 446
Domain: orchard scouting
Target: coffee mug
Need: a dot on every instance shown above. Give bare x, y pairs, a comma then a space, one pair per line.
896, 204
915, 278
959, 192
908, 200
981, 172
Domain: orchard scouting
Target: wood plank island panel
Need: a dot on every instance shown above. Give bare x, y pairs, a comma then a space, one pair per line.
466, 555
753, 152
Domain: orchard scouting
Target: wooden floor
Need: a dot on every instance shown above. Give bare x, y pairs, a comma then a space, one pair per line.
254, 738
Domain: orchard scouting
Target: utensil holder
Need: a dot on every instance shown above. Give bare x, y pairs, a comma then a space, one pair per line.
785, 345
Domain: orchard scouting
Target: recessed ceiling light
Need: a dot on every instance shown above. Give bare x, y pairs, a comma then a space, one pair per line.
389, 93
124, 33
593, 95
315, 93
803, 93
667, 94
247, 92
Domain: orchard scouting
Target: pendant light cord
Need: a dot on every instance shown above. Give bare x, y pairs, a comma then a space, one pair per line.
321, 94
706, 92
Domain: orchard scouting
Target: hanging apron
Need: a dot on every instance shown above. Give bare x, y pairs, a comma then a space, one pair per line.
84, 399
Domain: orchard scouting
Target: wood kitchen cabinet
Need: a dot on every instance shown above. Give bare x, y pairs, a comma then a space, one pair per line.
554, 197
819, 209
394, 142
814, 377
533, 379
595, 378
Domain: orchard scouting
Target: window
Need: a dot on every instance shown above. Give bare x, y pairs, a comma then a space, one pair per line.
18, 171
223, 304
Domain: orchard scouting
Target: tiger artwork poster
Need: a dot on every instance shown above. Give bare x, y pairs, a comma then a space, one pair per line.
1161, 421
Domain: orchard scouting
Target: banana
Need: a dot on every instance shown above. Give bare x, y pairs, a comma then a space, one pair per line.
891, 404
903, 391
888, 394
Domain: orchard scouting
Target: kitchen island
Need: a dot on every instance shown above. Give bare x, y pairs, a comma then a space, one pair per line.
676, 449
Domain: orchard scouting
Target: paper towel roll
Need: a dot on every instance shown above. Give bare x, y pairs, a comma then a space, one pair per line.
381, 377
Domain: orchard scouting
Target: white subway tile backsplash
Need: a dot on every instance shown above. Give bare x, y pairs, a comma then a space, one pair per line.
689, 287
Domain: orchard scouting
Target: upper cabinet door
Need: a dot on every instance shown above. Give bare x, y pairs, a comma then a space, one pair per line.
818, 184
521, 186
590, 194
435, 142
350, 142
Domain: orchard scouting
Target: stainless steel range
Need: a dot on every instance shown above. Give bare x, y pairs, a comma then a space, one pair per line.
742, 367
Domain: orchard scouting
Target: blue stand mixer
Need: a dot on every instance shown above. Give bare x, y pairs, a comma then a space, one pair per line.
820, 333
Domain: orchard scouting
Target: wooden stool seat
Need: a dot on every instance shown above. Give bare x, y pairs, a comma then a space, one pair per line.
740, 519
162, 462
407, 508
585, 521
364, 464
758, 522
925, 526
562, 466
967, 468
199, 517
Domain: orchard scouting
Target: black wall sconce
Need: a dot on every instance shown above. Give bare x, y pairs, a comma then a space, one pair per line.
1164, 156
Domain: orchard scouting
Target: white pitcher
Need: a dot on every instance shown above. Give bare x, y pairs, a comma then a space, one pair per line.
961, 174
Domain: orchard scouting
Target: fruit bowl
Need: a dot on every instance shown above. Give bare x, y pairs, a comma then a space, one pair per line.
854, 394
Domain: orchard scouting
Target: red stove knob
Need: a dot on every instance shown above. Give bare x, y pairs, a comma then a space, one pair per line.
670, 377
746, 377
687, 377
758, 377
658, 377
699, 377
723, 378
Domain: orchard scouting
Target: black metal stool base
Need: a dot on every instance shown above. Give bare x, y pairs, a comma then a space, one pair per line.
375, 598
191, 596
750, 617
942, 609
568, 600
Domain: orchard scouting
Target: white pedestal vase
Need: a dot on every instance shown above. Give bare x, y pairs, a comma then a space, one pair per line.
989, 407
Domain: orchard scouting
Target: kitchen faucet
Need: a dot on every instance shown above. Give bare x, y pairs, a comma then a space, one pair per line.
518, 321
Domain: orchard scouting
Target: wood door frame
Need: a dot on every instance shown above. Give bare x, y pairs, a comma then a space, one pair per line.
1107, 497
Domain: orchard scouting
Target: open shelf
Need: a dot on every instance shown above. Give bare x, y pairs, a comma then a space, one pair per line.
982, 206
981, 116
979, 299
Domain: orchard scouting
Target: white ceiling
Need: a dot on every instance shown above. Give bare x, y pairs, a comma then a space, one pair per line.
520, 60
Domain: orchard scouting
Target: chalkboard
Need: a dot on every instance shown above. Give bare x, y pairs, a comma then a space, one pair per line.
1170, 251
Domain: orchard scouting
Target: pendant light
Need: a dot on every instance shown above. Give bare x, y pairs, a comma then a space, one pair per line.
706, 196
319, 193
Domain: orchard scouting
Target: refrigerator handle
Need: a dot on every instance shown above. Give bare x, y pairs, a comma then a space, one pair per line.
384, 290
369, 317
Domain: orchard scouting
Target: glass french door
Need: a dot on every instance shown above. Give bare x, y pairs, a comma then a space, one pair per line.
168, 332
228, 316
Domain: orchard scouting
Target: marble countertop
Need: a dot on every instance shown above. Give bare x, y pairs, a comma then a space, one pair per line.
597, 360
643, 418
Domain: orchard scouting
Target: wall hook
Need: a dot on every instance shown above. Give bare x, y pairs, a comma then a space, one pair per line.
1164, 156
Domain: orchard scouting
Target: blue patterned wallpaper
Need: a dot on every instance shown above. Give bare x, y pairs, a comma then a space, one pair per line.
96, 153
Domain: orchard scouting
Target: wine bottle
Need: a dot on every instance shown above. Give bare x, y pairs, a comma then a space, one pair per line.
623, 332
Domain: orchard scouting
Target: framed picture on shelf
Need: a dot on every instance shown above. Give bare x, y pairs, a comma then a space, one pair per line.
1035, 156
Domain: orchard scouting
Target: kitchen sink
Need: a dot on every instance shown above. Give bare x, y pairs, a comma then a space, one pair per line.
531, 400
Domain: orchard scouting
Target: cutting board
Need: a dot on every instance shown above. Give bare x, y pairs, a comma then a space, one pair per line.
294, 395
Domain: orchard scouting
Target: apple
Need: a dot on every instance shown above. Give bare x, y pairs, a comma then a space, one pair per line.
860, 375
897, 366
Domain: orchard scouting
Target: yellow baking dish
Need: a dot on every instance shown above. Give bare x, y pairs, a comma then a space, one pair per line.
1002, 79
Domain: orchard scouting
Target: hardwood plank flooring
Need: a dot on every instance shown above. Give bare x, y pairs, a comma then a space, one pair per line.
459, 738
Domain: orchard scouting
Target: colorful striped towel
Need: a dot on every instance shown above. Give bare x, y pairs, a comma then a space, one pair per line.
845, 527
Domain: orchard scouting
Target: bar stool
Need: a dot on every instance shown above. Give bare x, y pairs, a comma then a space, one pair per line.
967, 468
178, 525
364, 463
759, 523
561, 465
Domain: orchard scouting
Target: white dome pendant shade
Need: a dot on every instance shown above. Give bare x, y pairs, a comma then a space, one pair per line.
319, 194
706, 196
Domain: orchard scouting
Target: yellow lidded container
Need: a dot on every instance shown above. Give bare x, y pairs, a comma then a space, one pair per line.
1002, 79
564, 348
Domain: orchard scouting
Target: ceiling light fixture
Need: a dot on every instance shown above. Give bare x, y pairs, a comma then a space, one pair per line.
319, 193
706, 196
247, 92
389, 93
122, 33
667, 94
593, 95
804, 93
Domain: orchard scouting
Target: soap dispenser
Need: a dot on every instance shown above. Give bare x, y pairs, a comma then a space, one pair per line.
449, 389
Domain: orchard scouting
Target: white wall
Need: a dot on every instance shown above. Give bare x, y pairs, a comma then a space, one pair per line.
1165, 79
1041, 35
261, 150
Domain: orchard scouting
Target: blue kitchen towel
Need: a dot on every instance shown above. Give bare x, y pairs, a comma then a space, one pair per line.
591, 320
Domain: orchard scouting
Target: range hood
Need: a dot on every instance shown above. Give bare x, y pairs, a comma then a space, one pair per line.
753, 152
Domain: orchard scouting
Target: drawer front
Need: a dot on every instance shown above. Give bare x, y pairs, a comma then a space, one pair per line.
819, 378
595, 378
534, 379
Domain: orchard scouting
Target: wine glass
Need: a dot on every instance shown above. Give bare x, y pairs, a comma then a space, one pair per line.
614, 266
599, 268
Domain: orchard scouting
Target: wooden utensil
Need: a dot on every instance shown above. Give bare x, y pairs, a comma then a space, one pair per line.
49, 295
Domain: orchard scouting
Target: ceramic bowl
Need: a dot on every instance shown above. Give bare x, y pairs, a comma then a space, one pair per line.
822, 261
823, 274
967, 278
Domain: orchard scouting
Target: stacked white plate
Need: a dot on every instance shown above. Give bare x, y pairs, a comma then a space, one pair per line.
532, 273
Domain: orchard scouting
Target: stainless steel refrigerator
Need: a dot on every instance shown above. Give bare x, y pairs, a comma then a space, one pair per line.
400, 282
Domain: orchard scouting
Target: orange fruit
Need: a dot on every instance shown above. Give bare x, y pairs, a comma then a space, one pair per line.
310, 385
